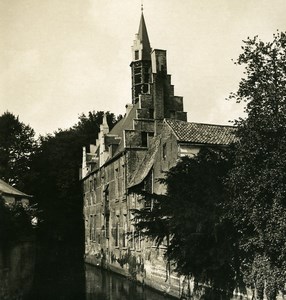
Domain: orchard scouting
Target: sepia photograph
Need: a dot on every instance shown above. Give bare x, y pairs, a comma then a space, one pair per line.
142, 148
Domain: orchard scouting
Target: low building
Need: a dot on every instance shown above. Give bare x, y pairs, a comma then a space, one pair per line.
11, 195
149, 140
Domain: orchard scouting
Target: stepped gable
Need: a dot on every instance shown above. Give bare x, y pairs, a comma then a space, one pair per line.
199, 133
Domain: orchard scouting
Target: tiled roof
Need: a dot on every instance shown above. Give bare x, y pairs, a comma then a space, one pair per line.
7, 189
199, 133
145, 166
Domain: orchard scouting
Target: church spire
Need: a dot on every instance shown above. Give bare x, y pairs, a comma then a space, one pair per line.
141, 61
144, 39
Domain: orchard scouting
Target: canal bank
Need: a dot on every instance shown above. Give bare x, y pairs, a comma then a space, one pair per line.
106, 285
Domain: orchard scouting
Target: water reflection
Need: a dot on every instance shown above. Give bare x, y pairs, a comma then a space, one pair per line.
104, 285
59, 274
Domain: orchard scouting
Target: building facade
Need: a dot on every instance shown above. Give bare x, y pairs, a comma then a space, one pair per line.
146, 142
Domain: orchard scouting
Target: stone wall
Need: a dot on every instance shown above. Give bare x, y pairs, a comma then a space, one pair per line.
17, 262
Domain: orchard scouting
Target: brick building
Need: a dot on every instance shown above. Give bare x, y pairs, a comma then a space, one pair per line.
151, 137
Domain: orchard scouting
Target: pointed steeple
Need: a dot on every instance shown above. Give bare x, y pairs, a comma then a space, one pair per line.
141, 62
144, 39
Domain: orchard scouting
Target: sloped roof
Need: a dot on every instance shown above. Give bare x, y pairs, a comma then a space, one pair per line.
146, 165
199, 133
7, 189
126, 123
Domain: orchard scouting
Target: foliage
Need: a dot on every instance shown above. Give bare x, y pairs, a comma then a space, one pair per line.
17, 144
16, 221
188, 220
56, 171
257, 183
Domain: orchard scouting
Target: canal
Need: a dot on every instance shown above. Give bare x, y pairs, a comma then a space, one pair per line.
88, 282
104, 285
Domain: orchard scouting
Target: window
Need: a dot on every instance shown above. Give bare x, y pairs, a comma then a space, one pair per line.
124, 235
123, 180
144, 139
107, 226
106, 202
136, 54
117, 232
164, 154
151, 113
132, 240
138, 242
116, 181
137, 78
92, 228
145, 88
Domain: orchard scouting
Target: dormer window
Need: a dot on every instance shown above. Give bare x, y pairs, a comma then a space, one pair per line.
136, 54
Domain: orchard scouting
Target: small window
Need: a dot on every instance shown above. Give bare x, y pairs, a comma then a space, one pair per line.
124, 235
117, 234
107, 226
144, 139
164, 151
144, 88
151, 113
136, 54
137, 78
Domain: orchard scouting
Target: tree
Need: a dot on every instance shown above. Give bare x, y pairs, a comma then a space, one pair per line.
188, 220
257, 183
58, 191
56, 165
16, 221
17, 144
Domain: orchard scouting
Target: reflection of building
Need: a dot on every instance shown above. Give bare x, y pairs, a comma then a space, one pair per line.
12, 195
150, 138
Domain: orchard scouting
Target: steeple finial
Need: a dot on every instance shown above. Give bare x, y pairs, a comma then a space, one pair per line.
142, 8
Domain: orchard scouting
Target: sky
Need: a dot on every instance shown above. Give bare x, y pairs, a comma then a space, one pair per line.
61, 58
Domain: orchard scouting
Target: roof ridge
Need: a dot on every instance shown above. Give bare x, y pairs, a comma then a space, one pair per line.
201, 133
9, 189
209, 124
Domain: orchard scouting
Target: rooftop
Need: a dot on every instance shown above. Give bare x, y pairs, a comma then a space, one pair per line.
7, 189
199, 133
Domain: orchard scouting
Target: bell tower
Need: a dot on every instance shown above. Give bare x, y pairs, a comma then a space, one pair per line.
141, 62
